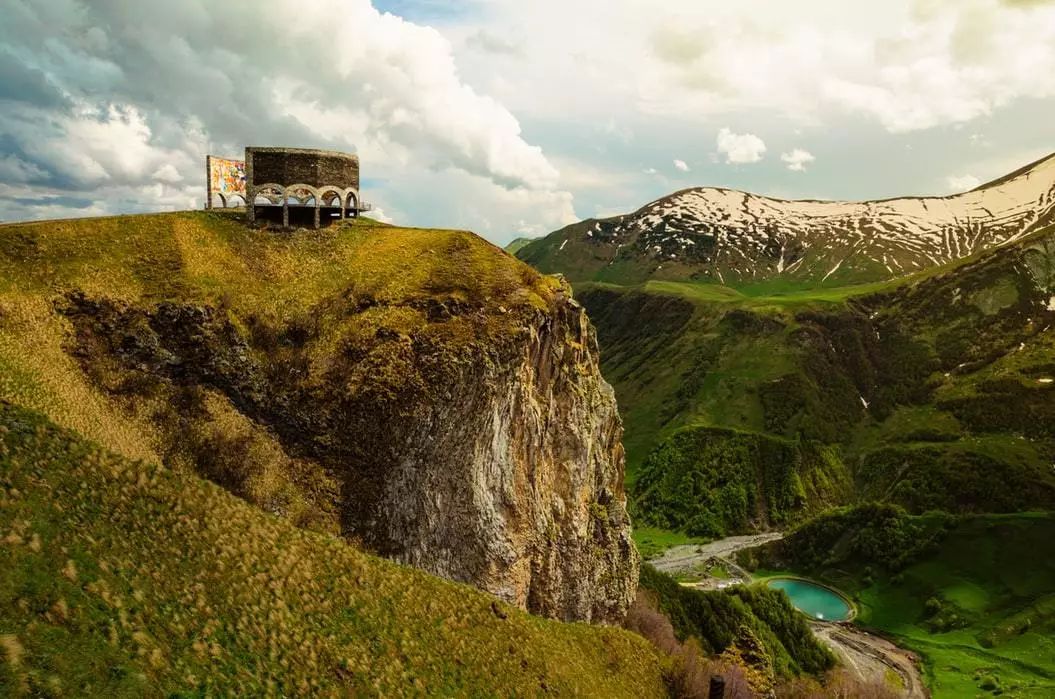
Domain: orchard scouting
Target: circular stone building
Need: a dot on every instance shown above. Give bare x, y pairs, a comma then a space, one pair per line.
301, 186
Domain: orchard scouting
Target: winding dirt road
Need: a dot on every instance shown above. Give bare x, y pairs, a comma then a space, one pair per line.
872, 657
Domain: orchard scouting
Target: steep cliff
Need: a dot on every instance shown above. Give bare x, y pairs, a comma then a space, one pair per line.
418, 391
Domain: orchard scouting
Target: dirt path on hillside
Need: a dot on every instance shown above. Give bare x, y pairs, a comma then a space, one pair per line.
872, 657
689, 556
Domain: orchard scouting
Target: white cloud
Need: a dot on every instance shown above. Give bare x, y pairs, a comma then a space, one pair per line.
167, 173
650, 171
492, 43
797, 159
740, 148
904, 64
608, 90
938, 62
962, 183
379, 214
389, 89
681, 166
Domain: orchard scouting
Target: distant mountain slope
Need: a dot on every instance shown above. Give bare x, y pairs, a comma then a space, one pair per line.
714, 235
517, 244
746, 412
125, 579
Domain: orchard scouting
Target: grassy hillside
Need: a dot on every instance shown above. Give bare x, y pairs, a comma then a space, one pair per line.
974, 595
517, 244
275, 364
123, 578
750, 408
192, 340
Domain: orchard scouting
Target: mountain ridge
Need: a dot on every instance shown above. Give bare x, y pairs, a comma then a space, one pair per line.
725, 236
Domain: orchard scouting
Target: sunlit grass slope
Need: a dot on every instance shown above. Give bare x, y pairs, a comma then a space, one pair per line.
212, 259
121, 578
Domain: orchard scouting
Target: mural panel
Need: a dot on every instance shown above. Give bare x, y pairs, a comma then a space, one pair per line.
226, 176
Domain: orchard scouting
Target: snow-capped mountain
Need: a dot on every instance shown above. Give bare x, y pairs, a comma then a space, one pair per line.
731, 237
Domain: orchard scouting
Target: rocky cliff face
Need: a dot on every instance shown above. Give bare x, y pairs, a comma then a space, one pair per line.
448, 413
513, 479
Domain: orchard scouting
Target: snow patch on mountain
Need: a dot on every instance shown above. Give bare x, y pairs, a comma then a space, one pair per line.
722, 230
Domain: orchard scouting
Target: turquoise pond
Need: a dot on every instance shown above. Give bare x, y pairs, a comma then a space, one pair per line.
814, 600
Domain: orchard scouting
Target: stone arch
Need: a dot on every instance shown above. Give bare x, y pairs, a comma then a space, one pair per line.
302, 193
231, 199
328, 194
272, 192
351, 203
331, 197
306, 196
223, 200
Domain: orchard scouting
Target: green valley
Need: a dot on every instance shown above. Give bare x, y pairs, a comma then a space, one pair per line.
973, 594
749, 411
897, 423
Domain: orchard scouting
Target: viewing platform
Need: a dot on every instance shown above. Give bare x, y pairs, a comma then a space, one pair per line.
293, 187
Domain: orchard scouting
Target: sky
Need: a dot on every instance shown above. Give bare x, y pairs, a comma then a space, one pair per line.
515, 118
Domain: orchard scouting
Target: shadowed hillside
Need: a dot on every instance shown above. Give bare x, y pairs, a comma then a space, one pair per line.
747, 412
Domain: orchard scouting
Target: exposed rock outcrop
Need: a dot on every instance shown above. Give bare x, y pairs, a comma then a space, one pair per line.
477, 442
513, 480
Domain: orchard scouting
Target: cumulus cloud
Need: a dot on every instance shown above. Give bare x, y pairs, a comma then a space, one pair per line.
908, 65
740, 148
615, 88
681, 166
918, 65
183, 80
962, 183
797, 159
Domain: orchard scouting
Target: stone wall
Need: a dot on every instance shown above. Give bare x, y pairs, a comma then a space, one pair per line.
288, 166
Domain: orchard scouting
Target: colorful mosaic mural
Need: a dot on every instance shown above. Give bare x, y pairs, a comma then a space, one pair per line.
226, 177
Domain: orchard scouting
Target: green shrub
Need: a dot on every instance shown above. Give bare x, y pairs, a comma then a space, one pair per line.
710, 482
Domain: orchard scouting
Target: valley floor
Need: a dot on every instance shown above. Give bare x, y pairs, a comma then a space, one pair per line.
689, 557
